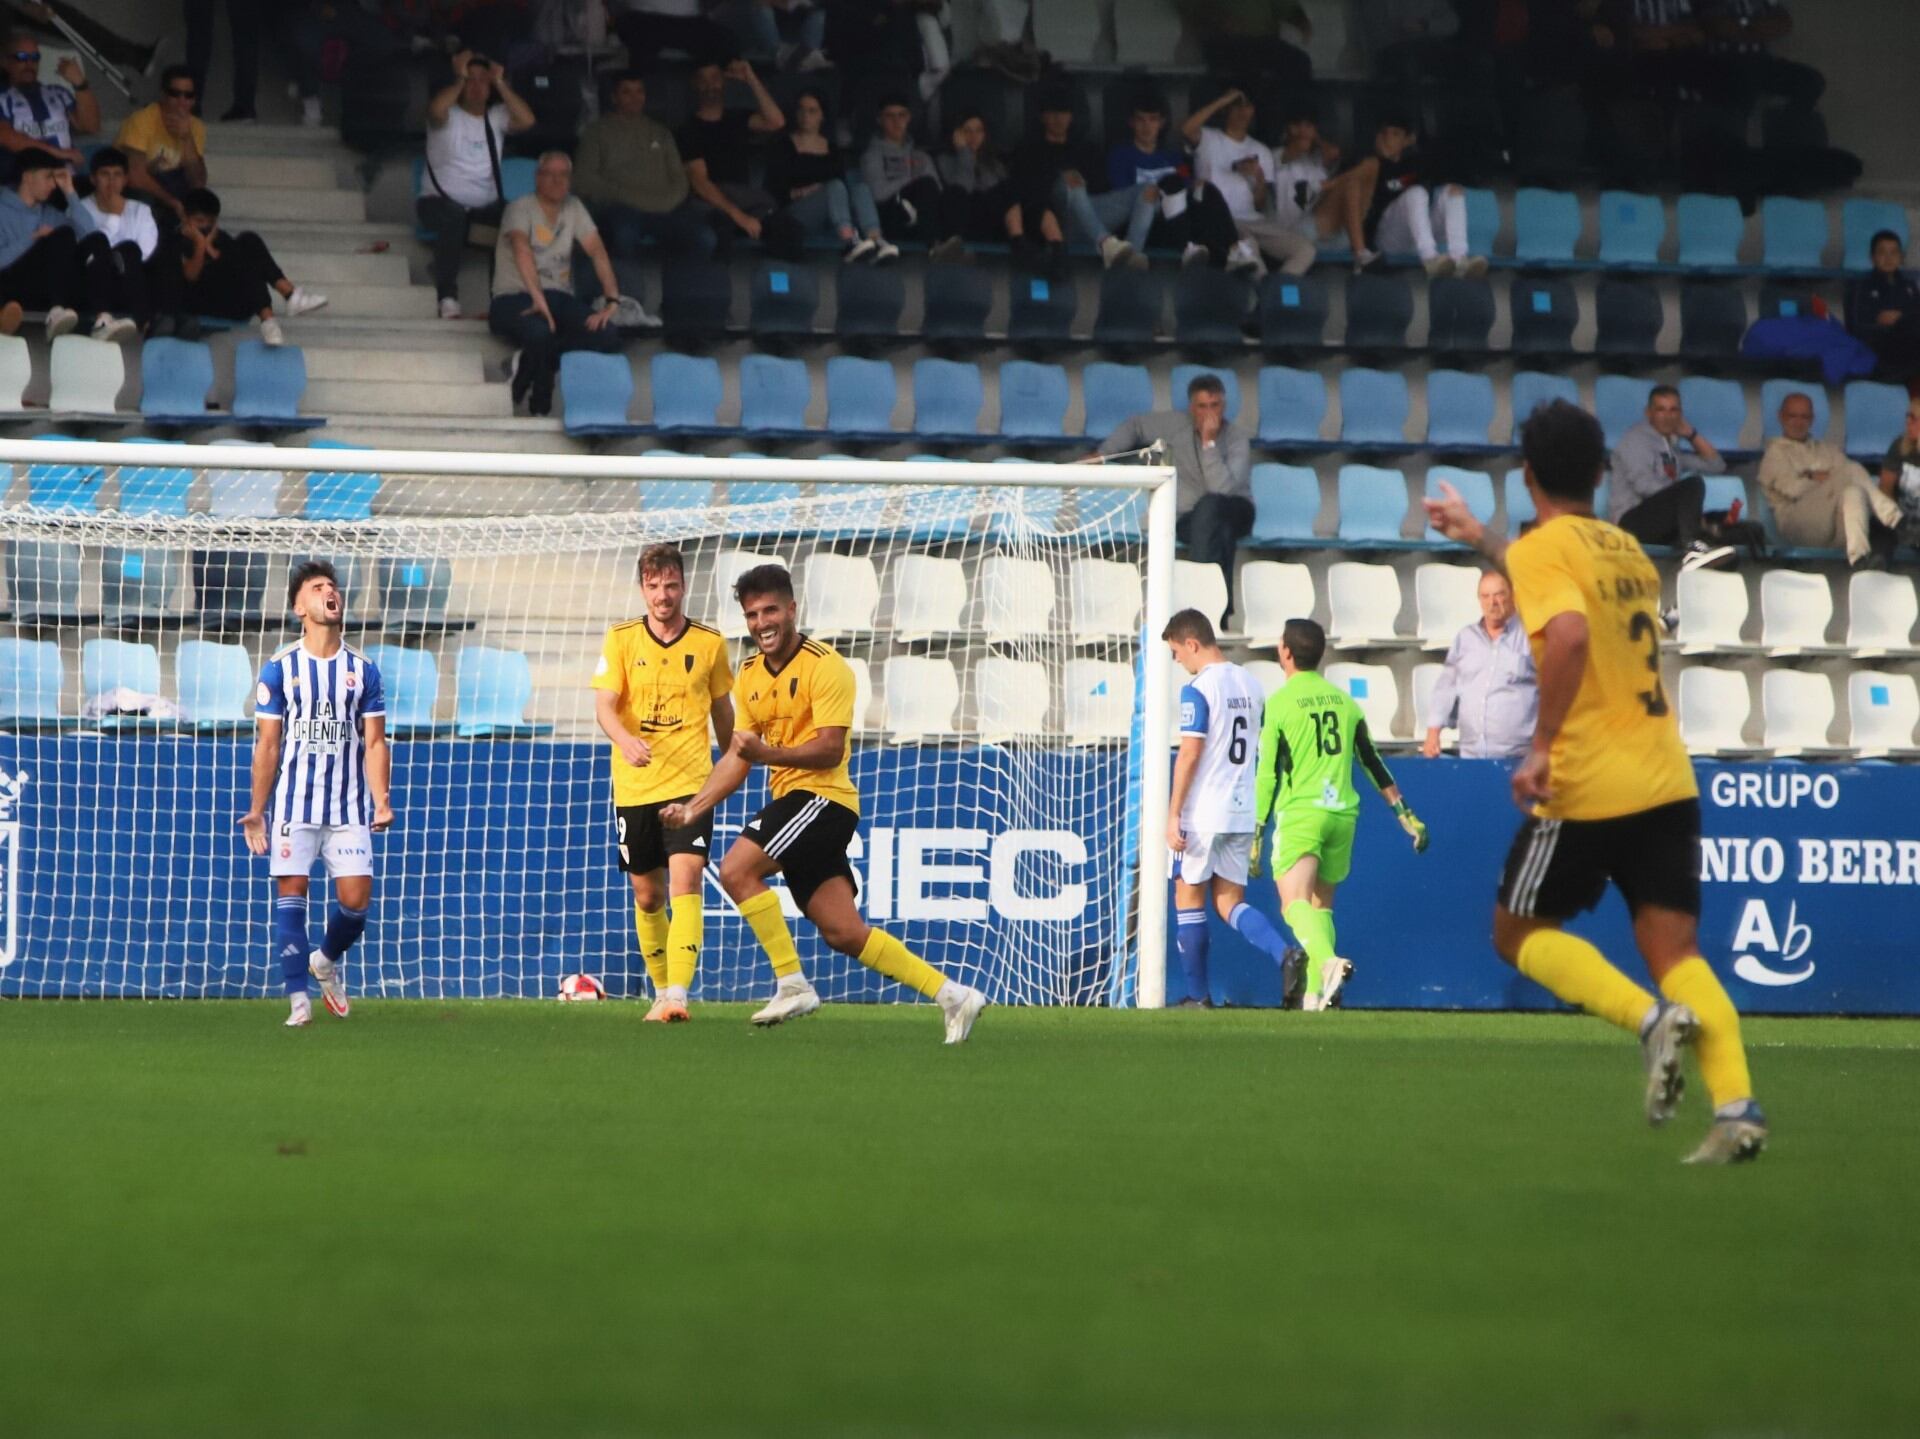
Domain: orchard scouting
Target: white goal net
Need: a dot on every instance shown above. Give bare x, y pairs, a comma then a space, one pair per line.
1009, 750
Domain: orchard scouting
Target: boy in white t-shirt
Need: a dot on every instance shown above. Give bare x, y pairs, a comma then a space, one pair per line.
1231, 160
115, 255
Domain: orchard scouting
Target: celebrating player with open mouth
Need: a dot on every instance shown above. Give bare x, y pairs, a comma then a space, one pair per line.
793, 705
320, 756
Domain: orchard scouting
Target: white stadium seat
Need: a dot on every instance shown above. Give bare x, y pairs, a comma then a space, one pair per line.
728, 566
1269, 674
87, 375
1425, 678
1713, 611
1881, 611
16, 373
1106, 600
1363, 603
921, 696
1016, 597
1200, 587
1009, 699
862, 695
1375, 690
1797, 712
1884, 709
929, 596
1714, 707
839, 595
1795, 611
1099, 700
1447, 599
1271, 593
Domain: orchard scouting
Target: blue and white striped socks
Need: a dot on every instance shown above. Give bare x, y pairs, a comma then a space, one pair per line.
290, 940
1190, 939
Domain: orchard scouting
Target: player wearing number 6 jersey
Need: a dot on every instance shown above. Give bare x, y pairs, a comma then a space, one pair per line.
1210, 824
1312, 735
1609, 792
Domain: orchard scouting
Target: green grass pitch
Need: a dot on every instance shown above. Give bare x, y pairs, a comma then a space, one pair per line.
521, 1218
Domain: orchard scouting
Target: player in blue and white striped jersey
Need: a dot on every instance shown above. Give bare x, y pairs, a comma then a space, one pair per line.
321, 761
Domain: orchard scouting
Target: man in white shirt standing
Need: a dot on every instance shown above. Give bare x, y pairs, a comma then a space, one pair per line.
115, 255
1488, 686
467, 126
1210, 820
1242, 170
45, 117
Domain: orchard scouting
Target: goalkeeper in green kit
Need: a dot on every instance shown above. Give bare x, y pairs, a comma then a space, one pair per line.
1310, 735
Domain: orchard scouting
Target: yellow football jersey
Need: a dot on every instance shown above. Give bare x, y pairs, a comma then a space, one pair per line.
1619, 751
811, 692
666, 693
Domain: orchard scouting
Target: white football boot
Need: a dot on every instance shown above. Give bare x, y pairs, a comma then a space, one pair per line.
794, 999
1672, 1030
301, 1014
1334, 975
333, 989
962, 1012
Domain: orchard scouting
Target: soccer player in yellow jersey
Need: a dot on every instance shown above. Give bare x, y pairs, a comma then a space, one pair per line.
1609, 792
661, 679
794, 702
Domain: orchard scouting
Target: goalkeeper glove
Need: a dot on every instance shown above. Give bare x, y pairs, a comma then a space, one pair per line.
1413, 825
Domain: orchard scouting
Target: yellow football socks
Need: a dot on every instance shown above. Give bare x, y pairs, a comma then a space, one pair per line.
1313, 927
651, 926
1723, 1060
893, 959
769, 925
1578, 973
684, 933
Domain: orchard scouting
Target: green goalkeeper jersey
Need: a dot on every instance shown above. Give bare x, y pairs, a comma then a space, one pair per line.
1310, 735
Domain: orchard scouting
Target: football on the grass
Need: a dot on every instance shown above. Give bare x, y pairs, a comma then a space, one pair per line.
579, 988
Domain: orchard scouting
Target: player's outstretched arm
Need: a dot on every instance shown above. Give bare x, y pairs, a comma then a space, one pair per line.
1563, 664
1382, 777
373, 734
1448, 513
266, 769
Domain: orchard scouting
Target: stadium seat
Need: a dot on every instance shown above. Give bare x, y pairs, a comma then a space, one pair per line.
1426, 679
1122, 512
1293, 404
1628, 316
1446, 599
229, 587
1379, 312
1876, 417
1130, 304
860, 397
1531, 389
1201, 586
1860, 221
1520, 510
31, 678
118, 664
1716, 408
1106, 600
1373, 409
1546, 226
870, 301
1015, 597
1145, 32
16, 373
214, 683
411, 681
1774, 391
1793, 233
87, 378
155, 490
1033, 400
1010, 698
341, 495
1040, 309
1713, 320
1112, 394
1881, 612
43, 582
948, 396
1714, 708
1459, 410
1713, 612
728, 566
1286, 504
1210, 307
1475, 487
1460, 313
1363, 606
957, 300
1544, 314
775, 391
1268, 674
1293, 312
1711, 228
785, 298
1783, 301
1632, 227
1796, 710
687, 389
862, 694
1017, 516
1184, 375
921, 697
929, 597
673, 494
1884, 709
269, 386
1099, 701
840, 594
413, 592
176, 376
1795, 612
139, 584
1377, 692
696, 296
1620, 403
1483, 220
1373, 506
596, 391
492, 689
1271, 593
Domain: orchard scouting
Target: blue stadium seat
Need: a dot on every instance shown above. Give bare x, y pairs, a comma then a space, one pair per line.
957, 300
948, 396
765, 492
1033, 400
1785, 301
516, 179
870, 301
31, 677
411, 681
1793, 233
341, 495
1373, 506
1713, 320
492, 689
1860, 221
64, 487
229, 588
214, 683
43, 581
1039, 308
596, 391
1876, 417
1112, 394
1293, 405
1122, 514
1293, 312
1475, 487
1520, 508
1286, 502
1722, 491
1546, 226
1716, 408
1629, 315
1373, 409
1184, 375
860, 397
1379, 312
176, 377
696, 296
269, 383
1210, 307
775, 391
1460, 313
785, 297
1483, 220
1774, 391
1531, 389
414, 594
673, 494
118, 664
1620, 403
687, 390
1632, 227
1459, 410
1544, 314
1130, 304
1711, 228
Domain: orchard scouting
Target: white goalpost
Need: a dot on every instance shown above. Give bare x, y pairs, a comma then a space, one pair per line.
1011, 744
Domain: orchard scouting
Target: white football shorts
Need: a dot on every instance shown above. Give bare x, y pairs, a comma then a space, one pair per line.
1229, 856
345, 849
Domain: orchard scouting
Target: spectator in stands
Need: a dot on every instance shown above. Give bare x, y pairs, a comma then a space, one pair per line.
1227, 158
1213, 472
1051, 175
166, 143
468, 122
116, 254
1664, 54
534, 304
1387, 209
1242, 37
40, 244
1302, 166
1820, 498
1900, 476
629, 173
205, 270
649, 26
114, 48
310, 28
243, 28
1189, 217
1409, 40
45, 117
901, 178
1741, 34
717, 146
1883, 311
810, 180
1652, 498
790, 33
976, 194
1488, 687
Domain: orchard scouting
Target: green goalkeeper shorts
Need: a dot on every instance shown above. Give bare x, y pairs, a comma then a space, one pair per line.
1328, 837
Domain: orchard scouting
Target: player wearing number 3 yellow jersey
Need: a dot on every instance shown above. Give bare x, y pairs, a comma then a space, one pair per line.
1608, 789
